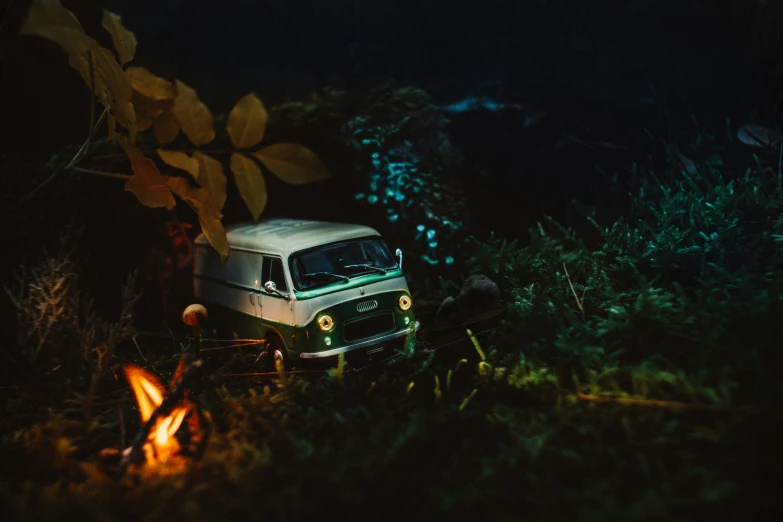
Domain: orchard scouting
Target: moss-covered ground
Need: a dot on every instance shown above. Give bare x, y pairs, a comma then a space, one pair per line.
635, 376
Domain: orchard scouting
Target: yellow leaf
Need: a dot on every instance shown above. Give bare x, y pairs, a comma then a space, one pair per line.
247, 122
132, 133
250, 183
180, 160
152, 96
211, 177
49, 19
96, 82
143, 120
124, 40
209, 214
292, 163
193, 116
147, 110
151, 86
165, 128
112, 88
147, 183
111, 124
143, 123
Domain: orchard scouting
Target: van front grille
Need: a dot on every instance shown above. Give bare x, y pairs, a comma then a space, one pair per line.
366, 306
368, 327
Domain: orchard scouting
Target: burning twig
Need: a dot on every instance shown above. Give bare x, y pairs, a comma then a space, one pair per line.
164, 420
138, 347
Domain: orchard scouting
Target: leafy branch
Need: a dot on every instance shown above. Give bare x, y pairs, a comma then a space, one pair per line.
135, 100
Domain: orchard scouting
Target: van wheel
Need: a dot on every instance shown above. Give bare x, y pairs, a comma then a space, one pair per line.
275, 349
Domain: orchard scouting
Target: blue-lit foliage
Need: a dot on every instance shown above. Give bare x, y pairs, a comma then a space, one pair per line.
407, 185
683, 280
400, 160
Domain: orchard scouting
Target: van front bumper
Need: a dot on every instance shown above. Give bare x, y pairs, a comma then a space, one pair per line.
362, 344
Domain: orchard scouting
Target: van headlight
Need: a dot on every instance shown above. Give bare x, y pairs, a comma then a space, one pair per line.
326, 323
405, 302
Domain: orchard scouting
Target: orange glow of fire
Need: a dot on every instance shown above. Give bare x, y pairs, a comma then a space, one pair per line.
148, 390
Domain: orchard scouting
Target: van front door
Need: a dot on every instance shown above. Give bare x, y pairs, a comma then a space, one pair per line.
275, 308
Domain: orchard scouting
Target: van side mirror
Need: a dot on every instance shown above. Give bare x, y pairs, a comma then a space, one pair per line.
398, 253
271, 287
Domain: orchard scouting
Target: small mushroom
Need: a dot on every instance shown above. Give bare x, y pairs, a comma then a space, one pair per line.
192, 316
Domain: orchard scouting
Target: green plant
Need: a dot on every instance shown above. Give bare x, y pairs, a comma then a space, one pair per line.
56, 323
137, 100
682, 282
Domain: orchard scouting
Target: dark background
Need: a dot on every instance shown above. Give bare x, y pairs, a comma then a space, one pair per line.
633, 74
562, 55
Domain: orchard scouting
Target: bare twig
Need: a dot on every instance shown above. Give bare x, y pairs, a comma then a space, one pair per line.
101, 173
579, 302
92, 104
83, 149
138, 347
79, 154
677, 405
232, 346
205, 151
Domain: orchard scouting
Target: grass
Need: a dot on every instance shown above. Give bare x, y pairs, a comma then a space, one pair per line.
635, 377
521, 445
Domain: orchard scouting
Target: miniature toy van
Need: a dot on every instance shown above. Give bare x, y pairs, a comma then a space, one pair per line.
311, 289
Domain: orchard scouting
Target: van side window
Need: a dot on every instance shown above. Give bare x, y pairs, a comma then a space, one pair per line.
272, 270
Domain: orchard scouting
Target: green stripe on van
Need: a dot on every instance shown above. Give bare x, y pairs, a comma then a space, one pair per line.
353, 283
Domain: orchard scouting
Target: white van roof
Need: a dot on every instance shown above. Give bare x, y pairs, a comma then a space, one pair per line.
283, 236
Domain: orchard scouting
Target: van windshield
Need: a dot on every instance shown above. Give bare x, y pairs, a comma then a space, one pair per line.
339, 262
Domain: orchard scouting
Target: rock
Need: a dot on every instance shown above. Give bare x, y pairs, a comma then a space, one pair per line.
478, 296
480, 287
445, 305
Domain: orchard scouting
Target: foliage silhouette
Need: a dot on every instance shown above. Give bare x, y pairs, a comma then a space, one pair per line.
137, 100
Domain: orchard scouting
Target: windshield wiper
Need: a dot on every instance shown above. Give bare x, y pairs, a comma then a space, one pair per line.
338, 276
379, 269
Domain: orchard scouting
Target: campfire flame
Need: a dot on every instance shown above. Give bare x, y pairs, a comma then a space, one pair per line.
161, 444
